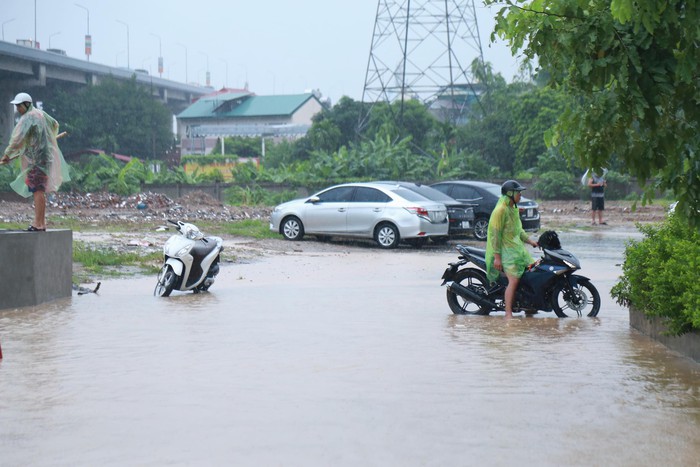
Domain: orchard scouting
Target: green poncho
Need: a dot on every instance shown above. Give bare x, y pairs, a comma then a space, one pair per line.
34, 141
506, 237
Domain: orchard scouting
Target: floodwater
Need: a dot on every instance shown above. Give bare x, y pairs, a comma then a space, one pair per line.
344, 359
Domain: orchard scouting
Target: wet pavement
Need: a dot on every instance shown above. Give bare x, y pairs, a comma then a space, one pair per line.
339, 358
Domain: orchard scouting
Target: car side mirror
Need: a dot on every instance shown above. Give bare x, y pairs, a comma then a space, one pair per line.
313, 200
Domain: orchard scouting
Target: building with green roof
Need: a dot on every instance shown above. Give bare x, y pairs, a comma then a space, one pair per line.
238, 112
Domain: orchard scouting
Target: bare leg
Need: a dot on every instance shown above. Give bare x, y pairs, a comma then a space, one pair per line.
593, 216
39, 210
510, 294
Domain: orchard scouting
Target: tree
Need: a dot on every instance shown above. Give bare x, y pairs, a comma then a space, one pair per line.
632, 67
114, 116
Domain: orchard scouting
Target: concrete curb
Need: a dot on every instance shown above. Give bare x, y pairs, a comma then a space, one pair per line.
688, 344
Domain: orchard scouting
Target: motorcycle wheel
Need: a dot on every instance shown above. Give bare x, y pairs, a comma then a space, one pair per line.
585, 300
166, 282
475, 280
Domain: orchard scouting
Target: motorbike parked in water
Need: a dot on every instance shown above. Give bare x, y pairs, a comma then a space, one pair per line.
191, 261
548, 285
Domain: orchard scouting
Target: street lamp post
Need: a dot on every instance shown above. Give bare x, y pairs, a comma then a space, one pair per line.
50, 36
3, 27
128, 65
88, 37
184, 47
207, 75
160, 55
225, 63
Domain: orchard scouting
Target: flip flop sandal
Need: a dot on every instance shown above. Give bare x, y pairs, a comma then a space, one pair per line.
34, 229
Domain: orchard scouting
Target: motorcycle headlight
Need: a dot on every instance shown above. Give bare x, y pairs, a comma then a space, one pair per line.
194, 234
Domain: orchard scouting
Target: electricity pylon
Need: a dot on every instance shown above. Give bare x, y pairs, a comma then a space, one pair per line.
423, 49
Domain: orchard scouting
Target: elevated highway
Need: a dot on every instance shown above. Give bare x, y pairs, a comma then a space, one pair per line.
40, 73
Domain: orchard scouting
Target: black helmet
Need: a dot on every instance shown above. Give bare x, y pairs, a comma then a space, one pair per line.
511, 185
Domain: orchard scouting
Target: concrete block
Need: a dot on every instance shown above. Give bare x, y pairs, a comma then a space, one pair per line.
35, 267
687, 344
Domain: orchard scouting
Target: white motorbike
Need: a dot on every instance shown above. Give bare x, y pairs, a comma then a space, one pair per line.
191, 261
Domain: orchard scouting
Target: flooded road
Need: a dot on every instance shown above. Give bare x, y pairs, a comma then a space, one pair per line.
339, 358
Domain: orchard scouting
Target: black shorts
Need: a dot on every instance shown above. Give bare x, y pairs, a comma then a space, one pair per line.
598, 204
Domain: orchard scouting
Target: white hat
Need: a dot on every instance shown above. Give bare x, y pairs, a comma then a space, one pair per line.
21, 97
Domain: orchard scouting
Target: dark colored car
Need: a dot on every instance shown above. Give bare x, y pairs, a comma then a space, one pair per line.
461, 215
485, 196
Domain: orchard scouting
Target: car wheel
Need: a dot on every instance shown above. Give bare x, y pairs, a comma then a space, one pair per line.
387, 236
292, 228
481, 228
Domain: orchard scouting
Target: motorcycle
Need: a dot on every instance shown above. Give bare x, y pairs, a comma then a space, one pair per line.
547, 285
191, 261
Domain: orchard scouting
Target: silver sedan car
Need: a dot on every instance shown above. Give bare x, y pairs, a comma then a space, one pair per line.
386, 213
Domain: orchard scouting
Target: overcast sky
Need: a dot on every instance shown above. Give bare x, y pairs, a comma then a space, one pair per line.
277, 46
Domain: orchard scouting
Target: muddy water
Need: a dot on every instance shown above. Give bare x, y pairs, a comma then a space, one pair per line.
346, 358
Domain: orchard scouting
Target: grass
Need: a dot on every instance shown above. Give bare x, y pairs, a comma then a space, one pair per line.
254, 228
106, 261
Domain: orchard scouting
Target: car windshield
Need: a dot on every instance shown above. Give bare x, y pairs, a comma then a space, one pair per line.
409, 195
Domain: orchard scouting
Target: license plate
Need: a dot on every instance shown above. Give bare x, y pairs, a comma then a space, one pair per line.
466, 224
529, 213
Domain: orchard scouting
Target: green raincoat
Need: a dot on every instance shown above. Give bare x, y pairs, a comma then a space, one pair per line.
34, 141
506, 237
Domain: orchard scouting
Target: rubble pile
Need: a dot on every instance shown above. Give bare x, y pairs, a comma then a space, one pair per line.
105, 207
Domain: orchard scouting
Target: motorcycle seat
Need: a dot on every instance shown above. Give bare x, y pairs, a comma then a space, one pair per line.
202, 249
476, 251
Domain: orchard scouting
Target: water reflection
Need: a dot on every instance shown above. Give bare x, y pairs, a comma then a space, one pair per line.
348, 358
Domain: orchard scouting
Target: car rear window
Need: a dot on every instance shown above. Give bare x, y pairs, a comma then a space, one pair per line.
408, 194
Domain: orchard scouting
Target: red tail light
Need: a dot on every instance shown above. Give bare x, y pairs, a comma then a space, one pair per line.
418, 211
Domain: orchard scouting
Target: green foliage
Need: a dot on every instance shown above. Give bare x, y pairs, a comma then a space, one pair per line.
661, 275
177, 175
8, 173
103, 172
256, 196
117, 117
246, 173
619, 186
206, 159
557, 185
130, 178
95, 174
239, 146
212, 176
632, 67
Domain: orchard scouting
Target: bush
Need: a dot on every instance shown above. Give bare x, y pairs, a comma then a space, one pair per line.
256, 196
557, 185
660, 275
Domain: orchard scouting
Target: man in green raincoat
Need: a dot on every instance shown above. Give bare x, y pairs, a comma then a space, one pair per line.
43, 168
505, 243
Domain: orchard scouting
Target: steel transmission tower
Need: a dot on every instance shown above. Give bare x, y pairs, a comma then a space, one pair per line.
423, 49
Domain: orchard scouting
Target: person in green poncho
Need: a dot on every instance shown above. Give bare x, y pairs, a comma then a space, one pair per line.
43, 168
505, 242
